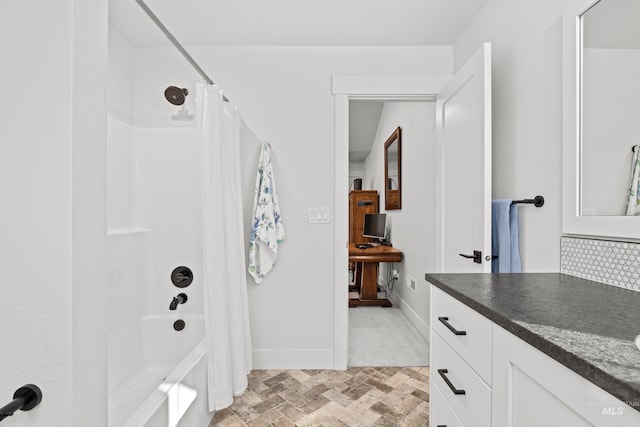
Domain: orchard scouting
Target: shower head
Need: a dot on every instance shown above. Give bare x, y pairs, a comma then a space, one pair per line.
175, 95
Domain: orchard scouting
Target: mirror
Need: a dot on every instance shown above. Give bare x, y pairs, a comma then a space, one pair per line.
601, 62
393, 171
610, 66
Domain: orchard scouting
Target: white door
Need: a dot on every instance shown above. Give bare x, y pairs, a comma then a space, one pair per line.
463, 124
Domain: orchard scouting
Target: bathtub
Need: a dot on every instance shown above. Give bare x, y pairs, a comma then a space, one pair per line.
156, 375
164, 391
179, 400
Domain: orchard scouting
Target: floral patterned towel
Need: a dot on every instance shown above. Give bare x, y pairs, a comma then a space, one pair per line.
267, 230
633, 207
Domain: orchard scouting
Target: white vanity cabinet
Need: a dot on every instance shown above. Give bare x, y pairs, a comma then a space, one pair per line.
460, 363
520, 386
530, 389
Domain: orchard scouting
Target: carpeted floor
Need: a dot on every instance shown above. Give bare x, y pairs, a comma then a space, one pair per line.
367, 397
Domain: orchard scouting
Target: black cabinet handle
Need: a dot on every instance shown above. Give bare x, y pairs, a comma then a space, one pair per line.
451, 328
442, 373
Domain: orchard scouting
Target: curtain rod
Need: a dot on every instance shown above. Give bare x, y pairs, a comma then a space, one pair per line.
176, 43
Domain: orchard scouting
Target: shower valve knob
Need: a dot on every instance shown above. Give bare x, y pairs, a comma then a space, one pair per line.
181, 277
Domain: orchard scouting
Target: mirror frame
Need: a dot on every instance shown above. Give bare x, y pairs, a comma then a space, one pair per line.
625, 227
393, 198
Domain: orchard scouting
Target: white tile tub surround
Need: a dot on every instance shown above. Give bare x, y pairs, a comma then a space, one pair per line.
611, 262
121, 175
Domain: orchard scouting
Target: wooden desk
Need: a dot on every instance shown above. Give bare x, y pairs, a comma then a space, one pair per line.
370, 258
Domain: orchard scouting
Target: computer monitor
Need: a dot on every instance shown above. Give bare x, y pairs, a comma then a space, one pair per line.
374, 225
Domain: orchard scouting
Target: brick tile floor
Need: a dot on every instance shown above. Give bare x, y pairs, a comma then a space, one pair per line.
357, 397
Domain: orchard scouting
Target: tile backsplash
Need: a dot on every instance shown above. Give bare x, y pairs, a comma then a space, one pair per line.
611, 262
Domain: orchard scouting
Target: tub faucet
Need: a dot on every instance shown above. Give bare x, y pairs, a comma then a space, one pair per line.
180, 299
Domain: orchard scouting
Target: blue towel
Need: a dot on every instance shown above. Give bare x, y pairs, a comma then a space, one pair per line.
505, 237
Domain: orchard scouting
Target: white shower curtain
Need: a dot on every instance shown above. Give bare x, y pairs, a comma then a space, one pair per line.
226, 309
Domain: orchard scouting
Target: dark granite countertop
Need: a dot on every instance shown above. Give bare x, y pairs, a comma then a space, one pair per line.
587, 326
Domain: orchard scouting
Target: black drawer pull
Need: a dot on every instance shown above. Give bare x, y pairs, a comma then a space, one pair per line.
442, 373
451, 328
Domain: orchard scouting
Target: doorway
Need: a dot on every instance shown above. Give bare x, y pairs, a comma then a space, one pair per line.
361, 88
463, 126
392, 329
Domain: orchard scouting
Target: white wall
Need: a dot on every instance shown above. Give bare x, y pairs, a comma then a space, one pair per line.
527, 115
412, 227
284, 94
52, 175
611, 127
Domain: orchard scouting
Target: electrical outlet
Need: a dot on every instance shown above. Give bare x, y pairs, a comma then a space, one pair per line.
411, 283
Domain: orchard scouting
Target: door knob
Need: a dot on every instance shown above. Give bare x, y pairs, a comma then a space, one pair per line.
477, 256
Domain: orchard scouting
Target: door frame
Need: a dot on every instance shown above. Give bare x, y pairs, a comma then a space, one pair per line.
363, 88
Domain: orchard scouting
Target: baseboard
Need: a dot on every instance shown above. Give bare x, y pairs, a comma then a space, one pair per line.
292, 359
421, 325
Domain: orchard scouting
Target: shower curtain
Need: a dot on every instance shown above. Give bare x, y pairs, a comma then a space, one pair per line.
226, 309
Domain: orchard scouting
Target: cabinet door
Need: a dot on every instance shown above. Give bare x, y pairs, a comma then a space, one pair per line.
530, 389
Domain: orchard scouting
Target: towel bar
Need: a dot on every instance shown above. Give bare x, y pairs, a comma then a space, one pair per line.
25, 398
537, 201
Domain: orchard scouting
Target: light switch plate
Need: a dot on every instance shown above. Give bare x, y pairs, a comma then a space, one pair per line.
319, 215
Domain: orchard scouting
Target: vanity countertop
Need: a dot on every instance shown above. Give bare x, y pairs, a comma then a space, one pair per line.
589, 327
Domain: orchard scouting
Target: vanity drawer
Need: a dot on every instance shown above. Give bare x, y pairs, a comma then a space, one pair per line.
466, 393
440, 413
466, 331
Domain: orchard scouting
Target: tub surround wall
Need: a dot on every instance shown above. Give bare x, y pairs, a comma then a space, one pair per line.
154, 223
169, 182
121, 175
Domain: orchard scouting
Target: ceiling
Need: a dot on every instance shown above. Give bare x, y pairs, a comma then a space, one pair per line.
298, 22
363, 125
302, 23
